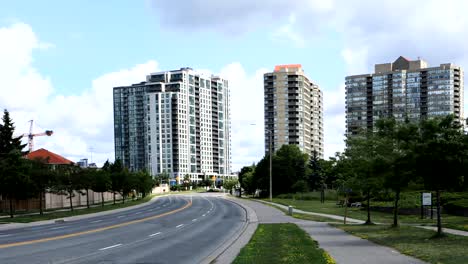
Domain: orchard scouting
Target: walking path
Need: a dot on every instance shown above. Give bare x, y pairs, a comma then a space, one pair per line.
343, 247
352, 220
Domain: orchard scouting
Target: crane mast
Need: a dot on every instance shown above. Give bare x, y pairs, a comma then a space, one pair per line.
31, 135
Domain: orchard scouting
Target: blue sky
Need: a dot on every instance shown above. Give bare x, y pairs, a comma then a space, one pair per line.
60, 59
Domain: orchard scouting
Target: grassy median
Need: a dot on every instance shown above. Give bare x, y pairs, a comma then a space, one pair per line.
282, 243
61, 214
416, 242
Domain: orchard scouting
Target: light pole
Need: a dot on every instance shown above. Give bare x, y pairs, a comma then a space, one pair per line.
271, 155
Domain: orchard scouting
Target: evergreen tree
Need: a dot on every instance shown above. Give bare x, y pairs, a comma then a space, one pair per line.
14, 182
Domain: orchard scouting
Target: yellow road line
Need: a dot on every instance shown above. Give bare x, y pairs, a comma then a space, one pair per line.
189, 203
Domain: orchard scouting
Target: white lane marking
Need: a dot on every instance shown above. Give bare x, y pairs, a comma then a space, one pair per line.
149, 210
165, 205
59, 227
97, 221
138, 213
181, 225
193, 220
117, 245
5, 235
155, 234
204, 215
121, 216
158, 207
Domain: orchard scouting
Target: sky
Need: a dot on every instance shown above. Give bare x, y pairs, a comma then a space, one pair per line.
59, 60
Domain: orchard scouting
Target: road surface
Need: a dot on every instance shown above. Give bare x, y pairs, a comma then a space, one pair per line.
174, 229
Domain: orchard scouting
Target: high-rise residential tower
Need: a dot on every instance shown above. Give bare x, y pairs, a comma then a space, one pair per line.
176, 122
293, 110
404, 89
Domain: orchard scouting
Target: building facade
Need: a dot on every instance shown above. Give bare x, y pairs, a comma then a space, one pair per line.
293, 110
403, 89
176, 122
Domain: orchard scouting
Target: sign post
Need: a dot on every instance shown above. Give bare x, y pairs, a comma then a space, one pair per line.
426, 200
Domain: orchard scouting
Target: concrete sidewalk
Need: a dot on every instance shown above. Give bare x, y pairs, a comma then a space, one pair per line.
343, 247
336, 217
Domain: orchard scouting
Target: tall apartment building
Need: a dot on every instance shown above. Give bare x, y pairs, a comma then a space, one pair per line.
403, 89
175, 122
293, 110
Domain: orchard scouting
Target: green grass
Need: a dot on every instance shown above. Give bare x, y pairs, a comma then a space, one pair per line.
415, 242
330, 207
282, 243
55, 215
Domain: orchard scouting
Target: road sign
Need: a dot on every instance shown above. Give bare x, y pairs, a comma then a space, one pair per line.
426, 198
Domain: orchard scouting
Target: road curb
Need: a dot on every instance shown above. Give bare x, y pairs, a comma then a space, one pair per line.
78, 217
228, 251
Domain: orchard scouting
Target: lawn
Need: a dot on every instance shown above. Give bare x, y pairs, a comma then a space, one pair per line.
54, 215
415, 242
330, 207
282, 243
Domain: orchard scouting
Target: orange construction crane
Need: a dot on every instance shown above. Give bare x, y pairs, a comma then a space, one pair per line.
31, 136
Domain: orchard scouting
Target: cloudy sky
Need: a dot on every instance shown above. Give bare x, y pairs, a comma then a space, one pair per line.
59, 60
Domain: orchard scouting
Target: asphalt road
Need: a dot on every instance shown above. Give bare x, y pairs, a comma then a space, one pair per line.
174, 229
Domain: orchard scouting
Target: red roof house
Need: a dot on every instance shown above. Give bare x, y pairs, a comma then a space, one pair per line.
51, 157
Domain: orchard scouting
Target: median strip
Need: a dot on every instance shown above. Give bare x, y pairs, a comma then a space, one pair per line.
189, 203
117, 245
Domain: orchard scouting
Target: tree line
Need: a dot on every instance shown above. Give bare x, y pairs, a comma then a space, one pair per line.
430, 155
22, 179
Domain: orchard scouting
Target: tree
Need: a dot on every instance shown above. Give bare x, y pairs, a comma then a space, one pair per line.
316, 176
242, 174
248, 183
396, 154
289, 167
162, 178
186, 181
441, 154
85, 181
362, 152
229, 184
117, 176
101, 183
144, 183
67, 181
41, 176
13, 180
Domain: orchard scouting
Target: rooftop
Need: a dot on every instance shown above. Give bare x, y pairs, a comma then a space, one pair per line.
50, 157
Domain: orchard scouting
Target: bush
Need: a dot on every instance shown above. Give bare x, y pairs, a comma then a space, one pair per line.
456, 205
449, 197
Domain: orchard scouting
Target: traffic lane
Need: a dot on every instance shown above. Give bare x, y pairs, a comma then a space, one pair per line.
72, 248
89, 224
190, 243
160, 202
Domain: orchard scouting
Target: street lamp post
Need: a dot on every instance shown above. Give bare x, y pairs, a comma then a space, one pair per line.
271, 155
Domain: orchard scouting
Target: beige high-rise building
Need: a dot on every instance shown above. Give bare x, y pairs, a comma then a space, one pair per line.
293, 110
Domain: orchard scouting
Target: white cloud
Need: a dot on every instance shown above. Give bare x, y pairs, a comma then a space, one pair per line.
287, 34
246, 114
80, 121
